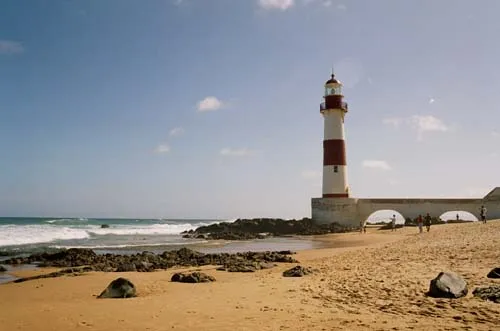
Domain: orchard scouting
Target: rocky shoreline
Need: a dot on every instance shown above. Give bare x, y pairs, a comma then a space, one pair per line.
75, 258
260, 228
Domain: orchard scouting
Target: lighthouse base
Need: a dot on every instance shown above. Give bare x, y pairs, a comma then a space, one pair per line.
352, 211
335, 210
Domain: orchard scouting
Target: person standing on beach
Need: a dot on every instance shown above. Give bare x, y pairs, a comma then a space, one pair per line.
393, 223
483, 214
420, 223
428, 222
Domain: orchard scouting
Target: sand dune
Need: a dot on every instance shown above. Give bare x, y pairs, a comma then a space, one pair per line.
373, 281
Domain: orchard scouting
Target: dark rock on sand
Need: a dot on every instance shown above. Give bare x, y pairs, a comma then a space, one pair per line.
2, 268
246, 266
297, 271
193, 277
69, 271
494, 273
119, 288
448, 285
491, 293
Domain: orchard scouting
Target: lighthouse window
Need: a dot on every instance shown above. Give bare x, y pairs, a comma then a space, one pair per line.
335, 169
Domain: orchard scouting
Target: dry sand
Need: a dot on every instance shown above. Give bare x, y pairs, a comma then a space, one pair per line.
373, 281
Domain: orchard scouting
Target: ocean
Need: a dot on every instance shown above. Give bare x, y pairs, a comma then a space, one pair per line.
23, 236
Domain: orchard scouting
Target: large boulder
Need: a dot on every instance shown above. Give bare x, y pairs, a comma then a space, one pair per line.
491, 293
193, 277
2, 268
297, 271
119, 288
494, 273
448, 285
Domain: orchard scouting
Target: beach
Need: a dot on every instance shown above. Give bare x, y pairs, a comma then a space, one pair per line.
372, 281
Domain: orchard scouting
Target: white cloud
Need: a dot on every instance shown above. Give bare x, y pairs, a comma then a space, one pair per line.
236, 152
176, 132
276, 4
341, 6
309, 174
420, 123
163, 148
431, 101
495, 134
10, 47
210, 104
376, 164
394, 121
427, 123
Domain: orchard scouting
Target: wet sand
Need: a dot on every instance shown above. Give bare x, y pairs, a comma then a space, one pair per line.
373, 281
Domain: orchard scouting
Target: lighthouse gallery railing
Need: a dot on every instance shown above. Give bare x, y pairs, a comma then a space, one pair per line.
345, 106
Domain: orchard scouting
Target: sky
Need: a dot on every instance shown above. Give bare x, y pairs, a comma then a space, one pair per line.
210, 108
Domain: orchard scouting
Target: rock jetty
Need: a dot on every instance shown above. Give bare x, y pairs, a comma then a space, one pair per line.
258, 228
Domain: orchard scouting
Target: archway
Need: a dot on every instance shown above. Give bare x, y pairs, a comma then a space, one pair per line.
458, 216
382, 218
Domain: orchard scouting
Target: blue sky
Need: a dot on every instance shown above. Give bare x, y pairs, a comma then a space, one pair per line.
210, 108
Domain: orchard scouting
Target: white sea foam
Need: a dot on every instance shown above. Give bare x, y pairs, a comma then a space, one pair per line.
11, 235
155, 229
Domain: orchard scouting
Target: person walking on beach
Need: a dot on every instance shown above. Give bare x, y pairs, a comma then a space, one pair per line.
393, 223
420, 223
483, 214
428, 222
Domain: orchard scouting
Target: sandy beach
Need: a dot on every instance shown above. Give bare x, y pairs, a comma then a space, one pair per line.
372, 281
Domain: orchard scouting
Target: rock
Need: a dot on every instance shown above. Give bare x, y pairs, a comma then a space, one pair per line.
194, 277
144, 266
126, 267
297, 271
448, 285
240, 268
104, 226
119, 288
2, 268
494, 273
491, 293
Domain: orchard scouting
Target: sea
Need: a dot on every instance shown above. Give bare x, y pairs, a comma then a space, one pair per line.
21, 236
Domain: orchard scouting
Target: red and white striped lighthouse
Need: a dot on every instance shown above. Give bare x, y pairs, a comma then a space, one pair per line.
334, 153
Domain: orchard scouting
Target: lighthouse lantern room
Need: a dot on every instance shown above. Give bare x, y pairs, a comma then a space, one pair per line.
333, 110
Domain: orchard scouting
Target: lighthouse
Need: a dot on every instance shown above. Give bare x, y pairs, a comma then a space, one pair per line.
334, 110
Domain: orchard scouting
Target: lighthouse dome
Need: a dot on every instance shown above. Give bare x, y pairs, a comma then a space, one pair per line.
332, 80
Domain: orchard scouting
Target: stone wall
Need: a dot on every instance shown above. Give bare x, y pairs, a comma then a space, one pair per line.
351, 211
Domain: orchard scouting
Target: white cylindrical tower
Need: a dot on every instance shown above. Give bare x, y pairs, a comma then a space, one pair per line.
334, 152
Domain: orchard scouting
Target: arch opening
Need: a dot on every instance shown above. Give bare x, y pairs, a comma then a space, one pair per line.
382, 219
458, 216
